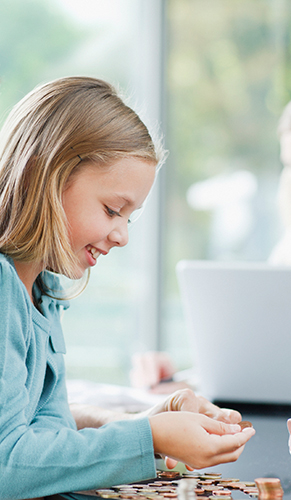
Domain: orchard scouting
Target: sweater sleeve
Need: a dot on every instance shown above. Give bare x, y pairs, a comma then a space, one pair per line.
41, 452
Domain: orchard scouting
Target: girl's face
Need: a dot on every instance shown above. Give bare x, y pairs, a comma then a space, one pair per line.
98, 203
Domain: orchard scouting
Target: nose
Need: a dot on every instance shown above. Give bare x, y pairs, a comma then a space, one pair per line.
119, 234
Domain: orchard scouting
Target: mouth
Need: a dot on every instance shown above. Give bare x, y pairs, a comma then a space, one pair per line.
93, 251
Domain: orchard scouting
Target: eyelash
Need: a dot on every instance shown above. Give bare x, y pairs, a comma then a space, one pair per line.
113, 213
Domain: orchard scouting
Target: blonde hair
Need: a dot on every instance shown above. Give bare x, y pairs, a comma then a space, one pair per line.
43, 141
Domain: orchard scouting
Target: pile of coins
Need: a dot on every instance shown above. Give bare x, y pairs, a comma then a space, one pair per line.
269, 487
173, 485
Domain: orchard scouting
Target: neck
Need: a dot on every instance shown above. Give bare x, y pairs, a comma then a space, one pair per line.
28, 272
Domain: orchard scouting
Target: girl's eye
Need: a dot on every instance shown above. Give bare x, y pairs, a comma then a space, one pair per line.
111, 212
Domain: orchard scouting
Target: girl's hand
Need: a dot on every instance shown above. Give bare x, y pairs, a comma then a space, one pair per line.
197, 440
289, 429
186, 400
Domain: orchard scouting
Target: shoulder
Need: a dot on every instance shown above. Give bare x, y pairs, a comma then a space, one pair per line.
8, 274
13, 295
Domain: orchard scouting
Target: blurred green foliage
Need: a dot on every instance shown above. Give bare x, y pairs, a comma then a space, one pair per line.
35, 37
228, 78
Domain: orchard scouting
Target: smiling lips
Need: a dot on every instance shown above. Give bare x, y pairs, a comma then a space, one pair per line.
93, 251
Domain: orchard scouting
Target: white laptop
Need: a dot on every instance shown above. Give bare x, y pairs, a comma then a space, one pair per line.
238, 316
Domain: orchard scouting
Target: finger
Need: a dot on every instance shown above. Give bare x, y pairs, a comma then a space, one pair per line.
228, 448
230, 443
225, 458
170, 463
183, 400
224, 414
229, 416
217, 427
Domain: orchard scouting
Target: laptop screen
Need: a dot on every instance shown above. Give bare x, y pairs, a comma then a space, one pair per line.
238, 317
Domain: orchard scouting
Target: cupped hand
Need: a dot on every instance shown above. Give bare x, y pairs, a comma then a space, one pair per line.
186, 400
197, 440
222, 414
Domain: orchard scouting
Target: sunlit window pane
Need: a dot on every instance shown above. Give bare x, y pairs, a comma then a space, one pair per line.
227, 79
41, 40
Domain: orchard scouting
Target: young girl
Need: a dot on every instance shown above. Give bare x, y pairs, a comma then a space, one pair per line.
75, 162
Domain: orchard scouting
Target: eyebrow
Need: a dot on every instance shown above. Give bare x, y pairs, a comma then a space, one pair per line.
127, 200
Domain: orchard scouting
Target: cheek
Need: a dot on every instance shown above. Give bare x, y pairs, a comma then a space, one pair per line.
87, 230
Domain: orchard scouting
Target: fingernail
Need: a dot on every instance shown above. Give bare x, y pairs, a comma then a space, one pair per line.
250, 430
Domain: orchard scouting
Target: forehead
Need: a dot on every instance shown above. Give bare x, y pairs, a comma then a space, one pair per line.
128, 179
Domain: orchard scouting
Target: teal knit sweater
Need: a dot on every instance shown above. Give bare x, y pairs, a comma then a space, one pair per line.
41, 451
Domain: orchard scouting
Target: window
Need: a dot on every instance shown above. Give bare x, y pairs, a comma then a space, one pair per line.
119, 42
227, 80
222, 75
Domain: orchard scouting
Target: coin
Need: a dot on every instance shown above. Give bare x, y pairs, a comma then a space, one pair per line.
211, 488
169, 474
221, 493
228, 480
216, 497
245, 423
237, 485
